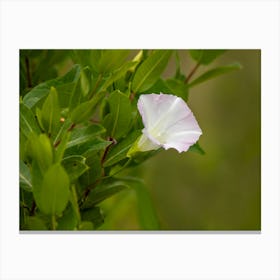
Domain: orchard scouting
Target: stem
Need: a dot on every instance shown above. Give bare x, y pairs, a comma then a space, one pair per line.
192, 72
53, 222
29, 82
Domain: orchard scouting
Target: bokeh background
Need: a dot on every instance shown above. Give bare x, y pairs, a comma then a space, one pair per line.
220, 190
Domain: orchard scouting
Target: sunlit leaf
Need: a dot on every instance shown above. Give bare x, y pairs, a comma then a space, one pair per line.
150, 70
54, 194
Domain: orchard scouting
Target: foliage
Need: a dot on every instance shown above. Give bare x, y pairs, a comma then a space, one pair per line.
77, 128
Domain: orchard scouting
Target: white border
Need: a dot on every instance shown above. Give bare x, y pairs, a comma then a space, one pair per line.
162, 24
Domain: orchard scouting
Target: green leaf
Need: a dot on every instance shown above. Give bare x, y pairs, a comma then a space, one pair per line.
85, 110
50, 114
159, 87
178, 88
117, 74
147, 215
93, 215
210, 74
197, 149
104, 190
95, 170
75, 166
34, 223
54, 194
64, 86
150, 70
81, 135
40, 149
118, 121
119, 151
68, 221
28, 122
96, 144
205, 57
25, 177
86, 225
110, 60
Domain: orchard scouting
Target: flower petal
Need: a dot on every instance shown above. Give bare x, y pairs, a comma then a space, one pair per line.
168, 121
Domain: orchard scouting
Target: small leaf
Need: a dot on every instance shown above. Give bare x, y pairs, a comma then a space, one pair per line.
50, 114
54, 194
150, 70
205, 56
117, 74
103, 191
119, 151
85, 110
75, 166
197, 149
25, 177
214, 73
117, 122
28, 122
178, 88
64, 86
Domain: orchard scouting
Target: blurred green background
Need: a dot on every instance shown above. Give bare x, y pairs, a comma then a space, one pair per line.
220, 190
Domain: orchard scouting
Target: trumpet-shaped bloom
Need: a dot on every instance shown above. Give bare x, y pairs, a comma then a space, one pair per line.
168, 123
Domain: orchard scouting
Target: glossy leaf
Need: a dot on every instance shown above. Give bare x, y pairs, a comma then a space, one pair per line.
150, 70
28, 122
54, 194
25, 177
64, 86
81, 135
205, 56
110, 60
75, 166
118, 121
117, 74
214, 73
50, 113
119, 151
40, 149
96, 144
85, 110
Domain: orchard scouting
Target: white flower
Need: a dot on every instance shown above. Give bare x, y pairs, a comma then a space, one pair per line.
168, 123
